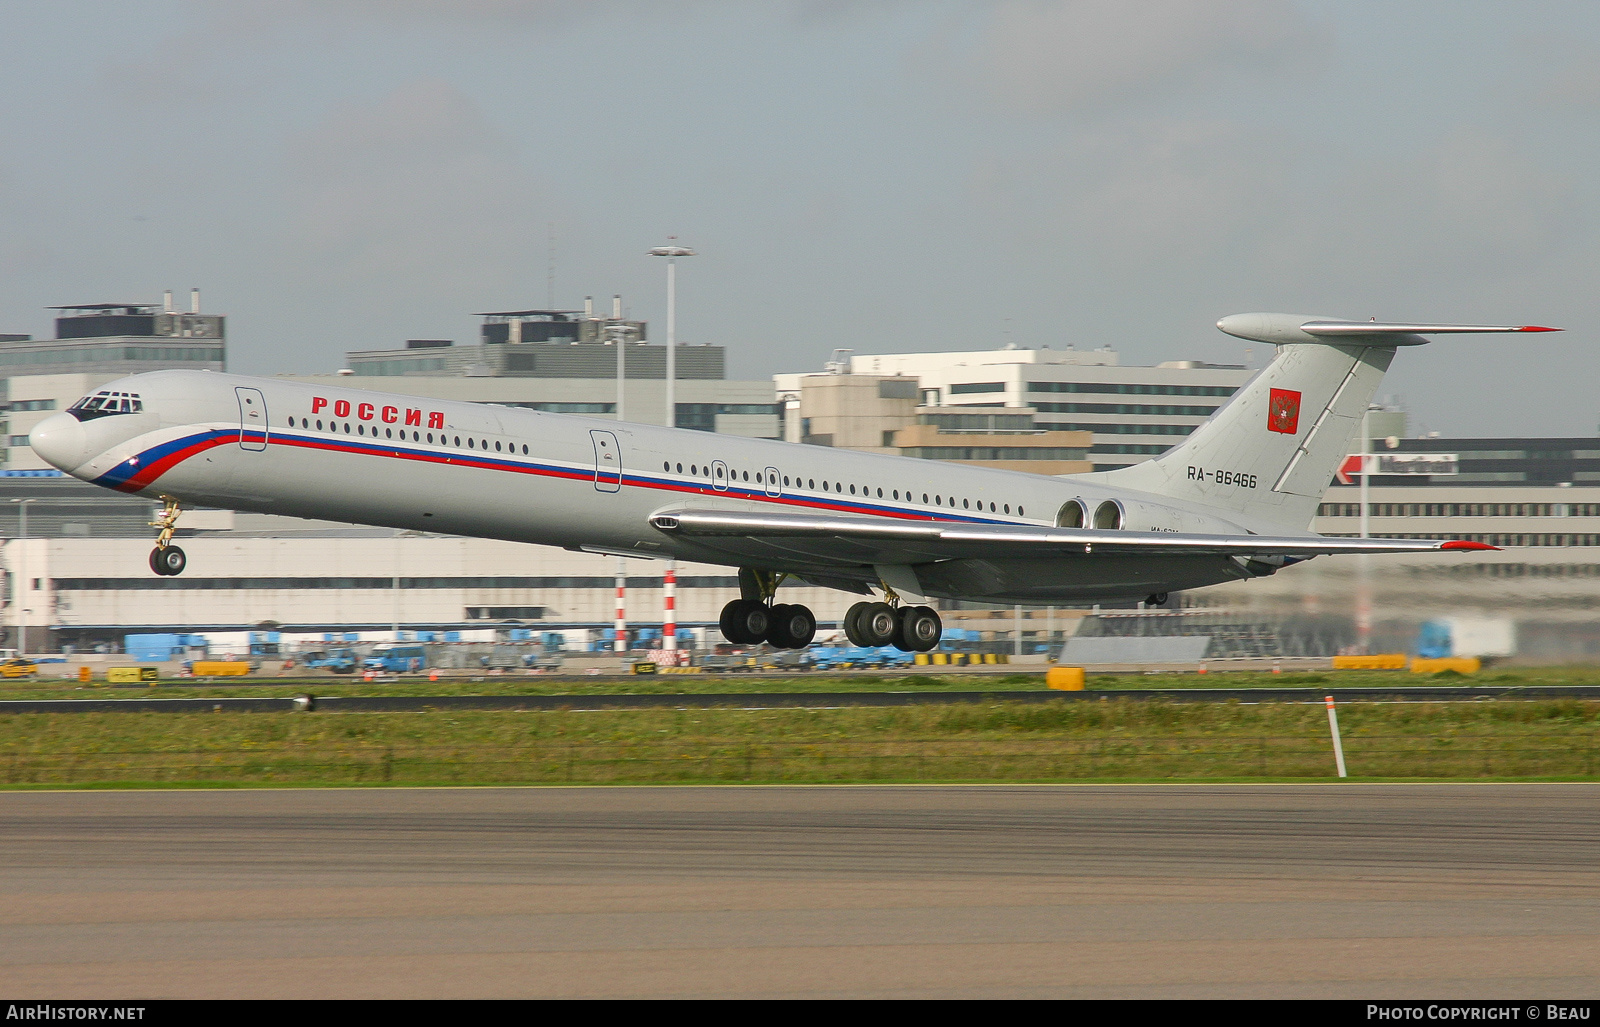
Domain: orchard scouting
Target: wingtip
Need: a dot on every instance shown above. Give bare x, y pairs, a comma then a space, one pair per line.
1537, 328
1460, 544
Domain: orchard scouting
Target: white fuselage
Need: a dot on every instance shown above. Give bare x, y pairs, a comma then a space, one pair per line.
280, 447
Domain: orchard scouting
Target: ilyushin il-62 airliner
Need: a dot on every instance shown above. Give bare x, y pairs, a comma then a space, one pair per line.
1232, 501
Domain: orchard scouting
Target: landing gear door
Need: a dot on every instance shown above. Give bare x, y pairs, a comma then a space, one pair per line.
607, 461
253, 427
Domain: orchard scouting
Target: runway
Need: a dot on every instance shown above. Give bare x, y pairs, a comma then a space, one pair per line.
1358, 891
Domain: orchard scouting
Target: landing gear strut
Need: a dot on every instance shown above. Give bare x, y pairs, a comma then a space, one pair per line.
756, 618
167, 559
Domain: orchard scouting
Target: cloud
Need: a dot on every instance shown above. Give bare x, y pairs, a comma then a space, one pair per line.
1049, 55
414, 192
1140, 193
1468, 212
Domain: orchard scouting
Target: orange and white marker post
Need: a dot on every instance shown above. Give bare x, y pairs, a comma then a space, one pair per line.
669, 603
621, 643
1338, 747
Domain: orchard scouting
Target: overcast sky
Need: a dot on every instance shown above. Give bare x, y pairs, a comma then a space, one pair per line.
881, 175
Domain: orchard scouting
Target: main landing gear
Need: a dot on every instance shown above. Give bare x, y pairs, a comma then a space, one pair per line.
910, 629
167, 559
756, 618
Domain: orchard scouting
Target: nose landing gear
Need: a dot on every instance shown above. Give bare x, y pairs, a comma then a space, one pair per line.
167, 559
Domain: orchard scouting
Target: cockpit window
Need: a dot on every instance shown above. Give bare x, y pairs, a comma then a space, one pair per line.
106, 403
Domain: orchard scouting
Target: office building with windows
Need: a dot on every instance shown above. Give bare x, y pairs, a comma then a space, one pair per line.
544, 344
120, 338
1131, 413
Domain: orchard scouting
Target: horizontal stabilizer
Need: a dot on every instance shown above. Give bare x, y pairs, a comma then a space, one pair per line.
1287, 329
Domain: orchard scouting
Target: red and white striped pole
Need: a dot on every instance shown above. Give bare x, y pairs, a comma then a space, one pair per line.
669, 608
621, 645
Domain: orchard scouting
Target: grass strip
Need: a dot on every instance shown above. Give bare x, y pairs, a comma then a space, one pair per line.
734, 684
1557, 739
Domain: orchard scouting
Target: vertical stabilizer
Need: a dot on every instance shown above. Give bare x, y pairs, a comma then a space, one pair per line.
1271, 452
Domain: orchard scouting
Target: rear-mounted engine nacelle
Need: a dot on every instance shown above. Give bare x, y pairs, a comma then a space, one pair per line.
1135, 515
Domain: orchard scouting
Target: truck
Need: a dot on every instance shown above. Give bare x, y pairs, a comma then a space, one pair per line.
339, 661
154, 648
400, 659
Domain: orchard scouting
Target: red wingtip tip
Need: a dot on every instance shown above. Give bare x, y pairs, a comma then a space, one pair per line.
1464, 544
1539, 328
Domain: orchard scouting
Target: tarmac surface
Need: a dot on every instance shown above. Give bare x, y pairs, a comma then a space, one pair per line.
1353, 891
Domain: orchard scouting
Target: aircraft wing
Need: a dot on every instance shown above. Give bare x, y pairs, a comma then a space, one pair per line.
886, 540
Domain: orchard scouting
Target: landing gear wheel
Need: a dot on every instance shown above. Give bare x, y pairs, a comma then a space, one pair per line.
745, 621
876, 625
852, 625
793, 627
168, 561
1156, 599
917, 629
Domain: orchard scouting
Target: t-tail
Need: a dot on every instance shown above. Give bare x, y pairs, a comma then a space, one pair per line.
1271, 452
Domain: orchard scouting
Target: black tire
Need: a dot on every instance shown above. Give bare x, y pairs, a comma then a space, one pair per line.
745, 622
876, 625
169, 561
793, 627
919, 629
775, 636
728, 622
899, 640
851, 624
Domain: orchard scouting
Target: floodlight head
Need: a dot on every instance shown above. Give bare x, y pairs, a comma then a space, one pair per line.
671, 251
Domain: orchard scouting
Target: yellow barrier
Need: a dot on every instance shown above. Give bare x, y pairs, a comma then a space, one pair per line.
126, 675
1378, 661
220, 668
1459, 664
969, 659
1067, 679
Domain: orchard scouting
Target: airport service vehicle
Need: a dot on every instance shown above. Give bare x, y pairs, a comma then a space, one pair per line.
339, 661
18, 668
398, 660
1232, 501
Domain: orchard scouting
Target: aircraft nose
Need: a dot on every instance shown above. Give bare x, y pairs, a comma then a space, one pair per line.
59, 440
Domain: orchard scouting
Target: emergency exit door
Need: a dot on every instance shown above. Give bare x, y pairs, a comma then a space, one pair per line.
253, 427
607, 461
